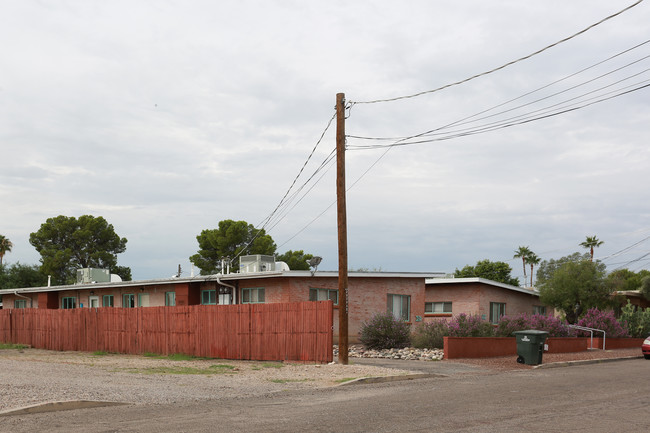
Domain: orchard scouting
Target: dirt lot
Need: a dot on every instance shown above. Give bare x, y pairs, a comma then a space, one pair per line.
32, 376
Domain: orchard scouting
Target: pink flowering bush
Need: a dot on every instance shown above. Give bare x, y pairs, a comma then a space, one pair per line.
521, 322
604, 320
469, 326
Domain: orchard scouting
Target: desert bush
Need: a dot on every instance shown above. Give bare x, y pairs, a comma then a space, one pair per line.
636, 322
604, 320
470, 326
384, 331
429, 335
521, 322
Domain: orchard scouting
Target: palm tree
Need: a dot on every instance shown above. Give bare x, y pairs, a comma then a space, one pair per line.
591, 243
522, 253
533, 260
5, 247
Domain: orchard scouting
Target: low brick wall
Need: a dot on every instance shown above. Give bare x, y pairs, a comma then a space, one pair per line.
617, 343
488, 347
479, 347
567, 344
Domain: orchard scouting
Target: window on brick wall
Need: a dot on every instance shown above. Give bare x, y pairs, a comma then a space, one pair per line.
209, 297
68, 302
170, 299
437, 307
324, 295
400, 306
252, 296
107, 301
539, 309
497, 311
128, 300
20, 303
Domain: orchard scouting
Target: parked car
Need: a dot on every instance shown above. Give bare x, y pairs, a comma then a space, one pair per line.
645, 348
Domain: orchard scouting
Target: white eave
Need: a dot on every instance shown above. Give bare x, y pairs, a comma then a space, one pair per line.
227, 277
533, 291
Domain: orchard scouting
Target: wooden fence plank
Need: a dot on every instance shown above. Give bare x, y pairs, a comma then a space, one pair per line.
279, 331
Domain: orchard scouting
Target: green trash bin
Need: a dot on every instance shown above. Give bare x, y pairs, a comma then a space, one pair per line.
530, 346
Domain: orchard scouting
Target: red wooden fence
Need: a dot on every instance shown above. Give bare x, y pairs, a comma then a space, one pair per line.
280, 332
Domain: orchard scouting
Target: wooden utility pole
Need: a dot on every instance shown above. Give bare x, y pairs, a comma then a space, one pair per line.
342, 228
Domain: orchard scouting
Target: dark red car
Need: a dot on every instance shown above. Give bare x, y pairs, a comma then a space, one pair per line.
645, 348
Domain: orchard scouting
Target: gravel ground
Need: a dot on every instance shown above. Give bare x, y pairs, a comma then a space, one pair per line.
33, 376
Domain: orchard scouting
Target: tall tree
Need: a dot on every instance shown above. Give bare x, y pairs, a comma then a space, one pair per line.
229, 241
296, 260
5, 247
17, 276
522, 253
547, 268
576, 287
495, 271
591, 243
533, 260
68, 243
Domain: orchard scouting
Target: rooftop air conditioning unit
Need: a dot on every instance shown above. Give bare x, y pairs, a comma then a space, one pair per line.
93, 275
256, 263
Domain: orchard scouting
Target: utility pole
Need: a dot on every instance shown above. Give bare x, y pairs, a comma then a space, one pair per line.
341, 214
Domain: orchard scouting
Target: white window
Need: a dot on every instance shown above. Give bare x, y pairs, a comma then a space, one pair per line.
324, 295
437, 307
400, 306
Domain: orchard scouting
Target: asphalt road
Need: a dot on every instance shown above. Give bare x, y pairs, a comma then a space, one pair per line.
608, 397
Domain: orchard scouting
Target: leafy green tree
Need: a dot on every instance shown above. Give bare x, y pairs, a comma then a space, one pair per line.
522, 253
495, 271
590, 243
297, 260
18, 276
229, 241
548, 267
5, 247
645, 287
575, 287
626, 280
68, 243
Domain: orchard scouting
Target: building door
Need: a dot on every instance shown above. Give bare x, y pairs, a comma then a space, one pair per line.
93, 301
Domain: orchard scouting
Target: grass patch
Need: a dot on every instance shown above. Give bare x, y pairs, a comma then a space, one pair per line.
213, 369
100, 353
272, 365
13, 346
290, 380
345, 379
174, 356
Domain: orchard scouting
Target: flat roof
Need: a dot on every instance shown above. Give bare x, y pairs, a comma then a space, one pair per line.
219, 277
532, 291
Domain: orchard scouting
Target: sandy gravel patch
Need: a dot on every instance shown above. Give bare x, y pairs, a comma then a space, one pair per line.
33, 376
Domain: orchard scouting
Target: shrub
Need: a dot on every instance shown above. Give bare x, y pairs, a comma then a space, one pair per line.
429, 335
521, 322
604, 320
554, 326
384, 331
507, 325
637, 322
469, 326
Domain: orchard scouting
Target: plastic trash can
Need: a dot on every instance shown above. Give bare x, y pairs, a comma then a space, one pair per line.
530, 346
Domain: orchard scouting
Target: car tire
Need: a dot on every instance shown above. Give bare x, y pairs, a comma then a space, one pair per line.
646, 356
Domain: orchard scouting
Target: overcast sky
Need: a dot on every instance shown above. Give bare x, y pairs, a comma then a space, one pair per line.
165, 117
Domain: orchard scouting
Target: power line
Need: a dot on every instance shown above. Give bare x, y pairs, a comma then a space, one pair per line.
502, 66
466, 120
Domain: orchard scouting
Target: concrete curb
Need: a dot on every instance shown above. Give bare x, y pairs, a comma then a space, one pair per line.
384, 379
585, 362
59, 406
